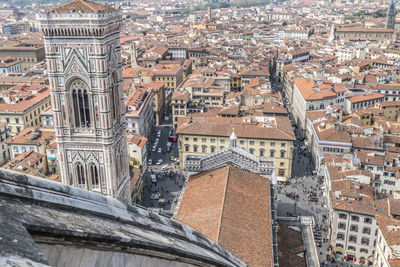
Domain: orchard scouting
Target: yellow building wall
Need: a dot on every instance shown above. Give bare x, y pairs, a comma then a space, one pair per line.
284, 163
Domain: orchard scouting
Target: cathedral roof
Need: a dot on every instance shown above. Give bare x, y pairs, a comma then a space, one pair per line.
232, 207
81, 6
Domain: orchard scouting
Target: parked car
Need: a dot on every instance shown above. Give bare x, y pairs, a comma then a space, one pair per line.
159, 162
159, 150
149, 162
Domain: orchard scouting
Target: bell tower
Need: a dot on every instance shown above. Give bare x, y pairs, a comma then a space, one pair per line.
391, 15
83, 55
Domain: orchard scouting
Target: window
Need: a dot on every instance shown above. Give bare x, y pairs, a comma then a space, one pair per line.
212, 149
212, 140
204, 149
203, 140
80, 174
339, 245
222, 141
115, 99
354, 228
241, 142
281, 164
342, 226
23, 149
80, 101
365, 241
252, 151
194, 148
16, 120
262, 143
340, 236
283, 152
363, 250
187, 148
368, 220
351, 248
355, 218
272, 153
7, 119
252, 143
194, 139
262, 152
353, 239
342, 216
283, 144
272, 143
186, 138
94, 175
366, 230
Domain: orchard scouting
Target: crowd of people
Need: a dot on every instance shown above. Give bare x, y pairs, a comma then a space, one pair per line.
163, 187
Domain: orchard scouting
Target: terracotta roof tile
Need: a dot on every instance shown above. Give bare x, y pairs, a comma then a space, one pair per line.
83, 6
232, 207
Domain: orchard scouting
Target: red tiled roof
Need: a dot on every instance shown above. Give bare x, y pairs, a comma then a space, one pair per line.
83, 6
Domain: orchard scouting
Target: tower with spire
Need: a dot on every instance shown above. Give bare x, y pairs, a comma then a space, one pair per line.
391, 15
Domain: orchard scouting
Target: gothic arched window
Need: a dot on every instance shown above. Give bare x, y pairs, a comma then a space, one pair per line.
115, 99
80, 100
94, 175
80, 174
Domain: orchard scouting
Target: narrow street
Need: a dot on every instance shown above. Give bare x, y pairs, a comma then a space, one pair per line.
303, 194
163, 179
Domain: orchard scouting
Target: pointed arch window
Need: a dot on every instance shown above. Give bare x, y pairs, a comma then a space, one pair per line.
94, 175
115, 99
80, 172
80, 101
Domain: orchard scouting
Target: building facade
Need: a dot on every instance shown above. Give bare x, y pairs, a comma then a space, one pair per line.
84, 62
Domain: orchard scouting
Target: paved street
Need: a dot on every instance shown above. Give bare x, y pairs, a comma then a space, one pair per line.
164, 181
303, 196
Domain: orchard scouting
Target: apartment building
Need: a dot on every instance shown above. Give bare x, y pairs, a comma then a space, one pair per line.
140, 111
326, 137
269, 137
254, 71
159, 100
137, 149
207, 91
390, 109
31, 139
4, 135
309, 94
363, 100
171, 74
179, 102
9, 65
388, 242
354, 227
23, 105
28, 54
